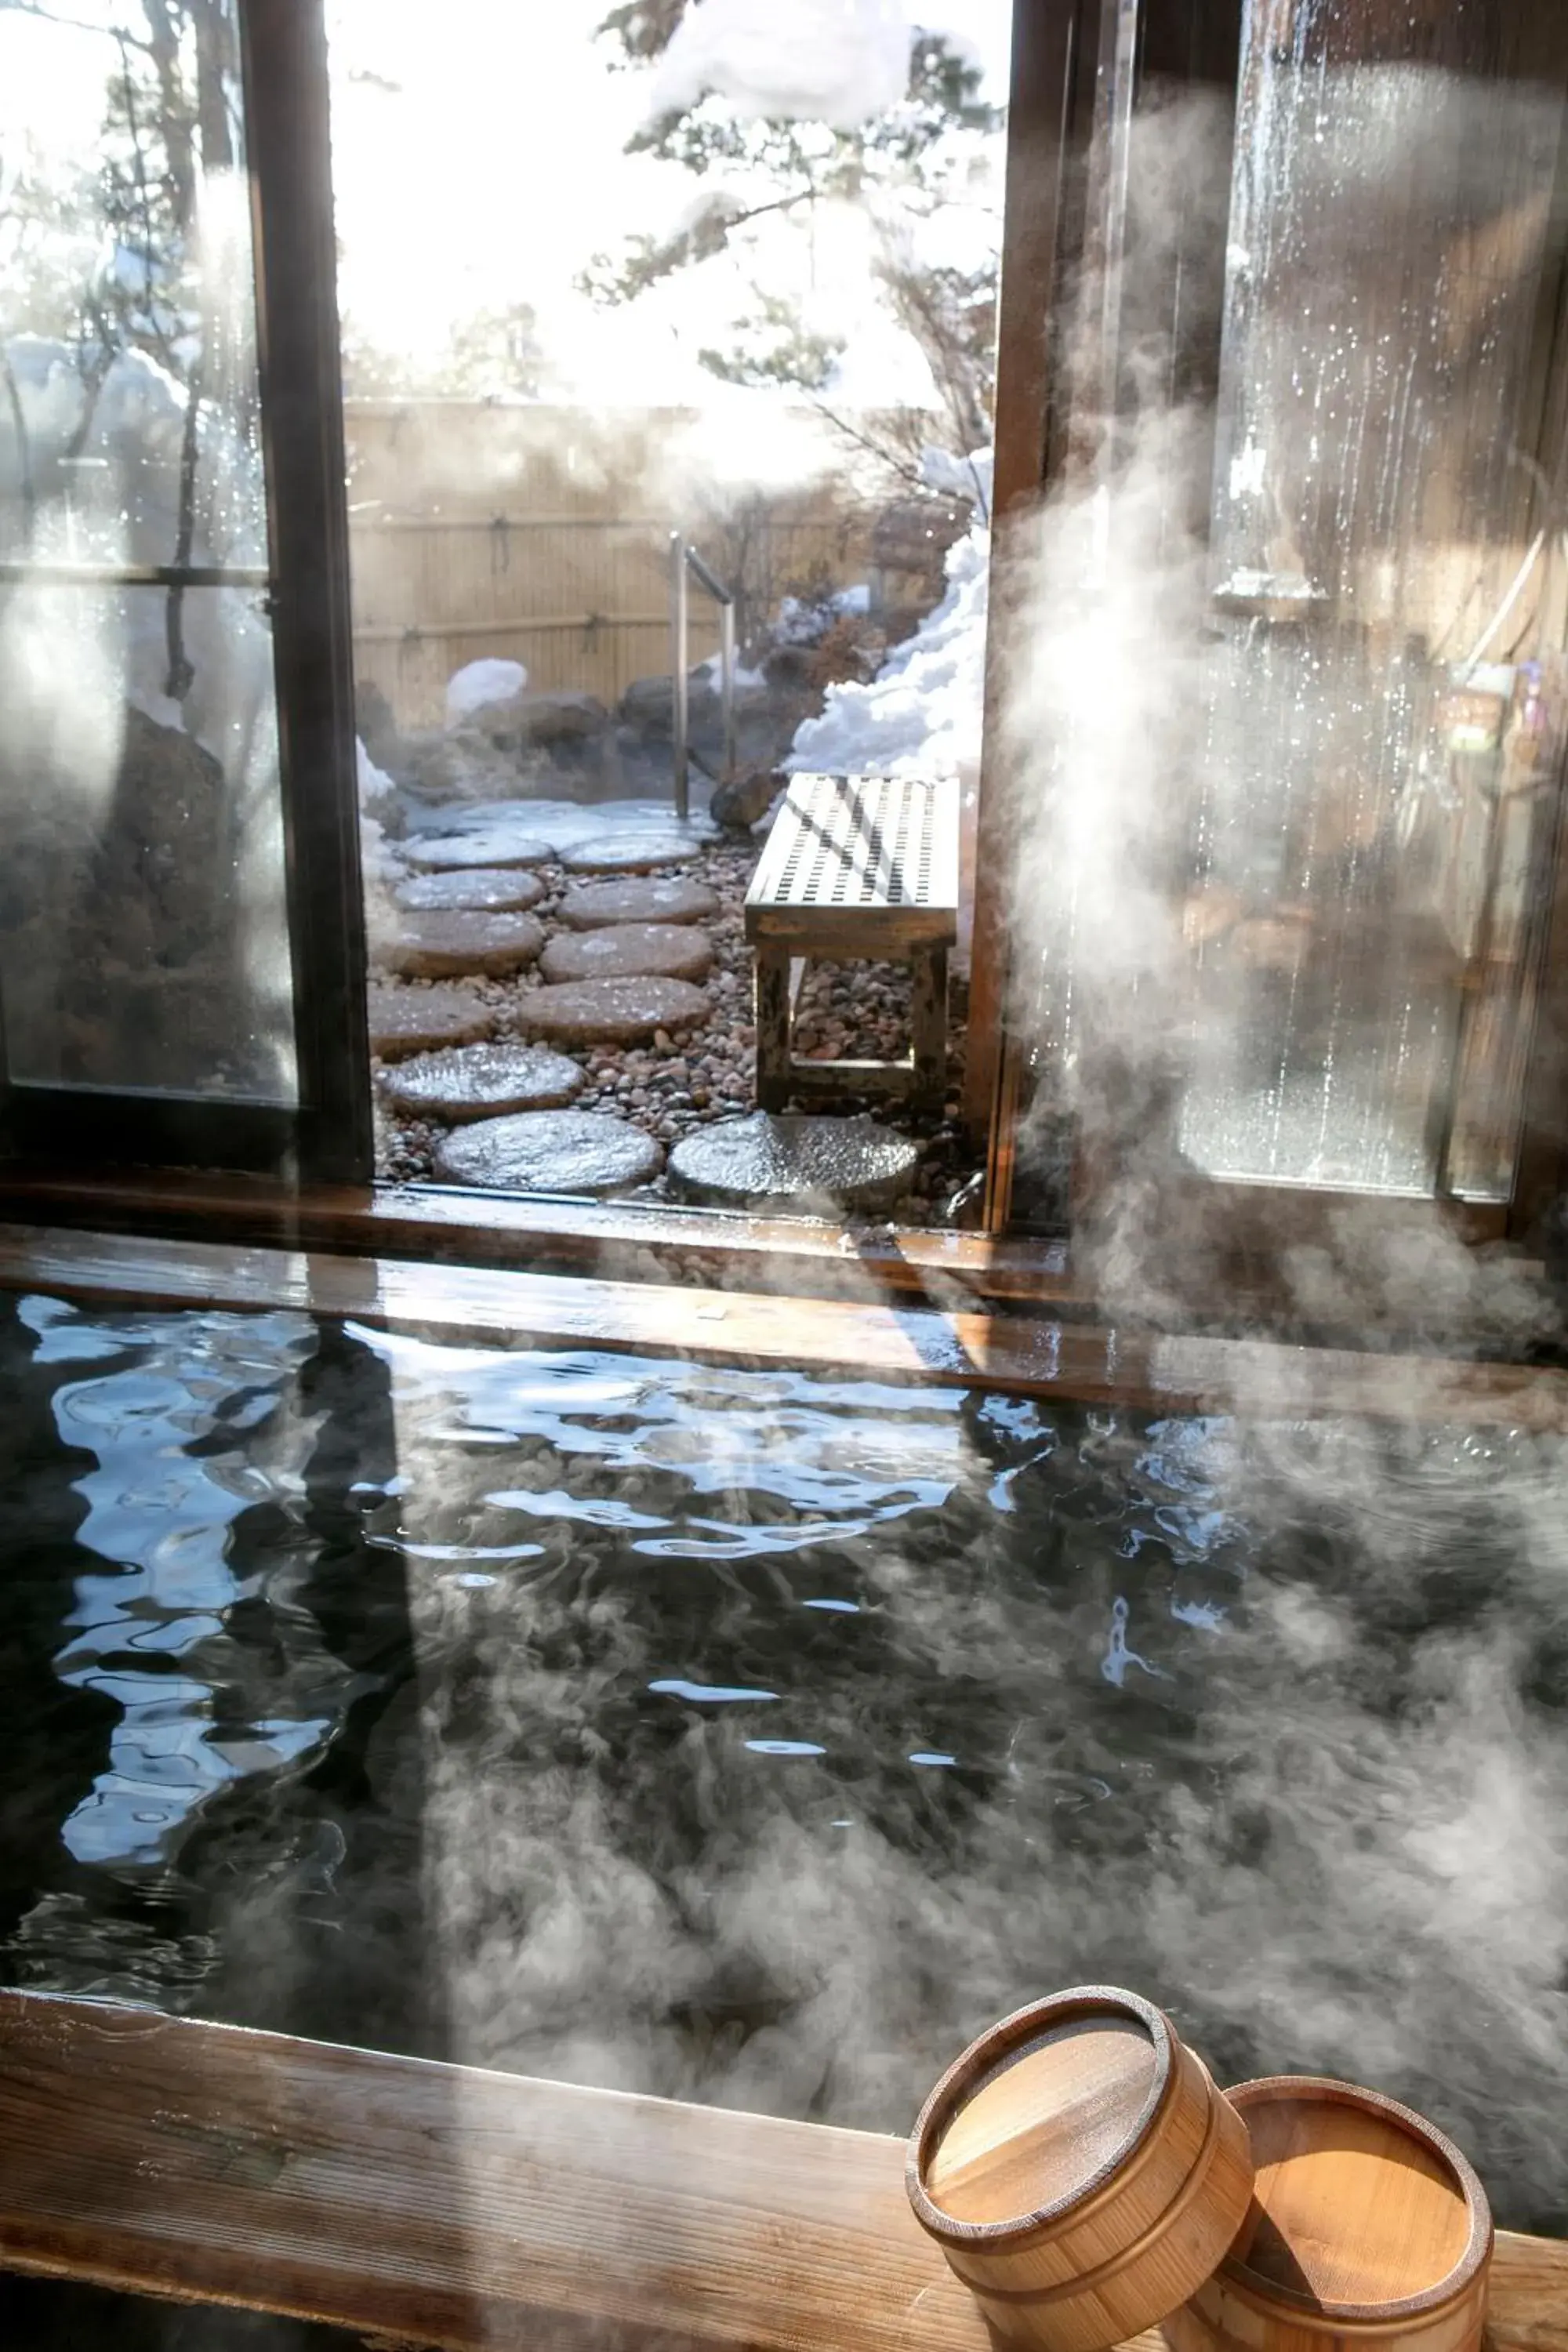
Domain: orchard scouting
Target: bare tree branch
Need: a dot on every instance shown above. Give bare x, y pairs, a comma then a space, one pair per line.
72, 23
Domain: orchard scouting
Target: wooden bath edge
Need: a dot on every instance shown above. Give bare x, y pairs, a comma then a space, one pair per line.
445, 2207
1017, 1354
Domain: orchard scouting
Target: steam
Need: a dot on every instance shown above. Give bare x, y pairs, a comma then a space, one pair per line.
1248, 882
1262, 1718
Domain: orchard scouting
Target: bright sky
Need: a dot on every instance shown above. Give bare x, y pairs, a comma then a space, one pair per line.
495, 170
478, 161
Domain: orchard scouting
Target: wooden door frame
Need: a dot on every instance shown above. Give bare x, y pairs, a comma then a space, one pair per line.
1051, 108
288, 98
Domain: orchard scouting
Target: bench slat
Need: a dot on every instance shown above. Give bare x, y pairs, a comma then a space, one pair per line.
853, 857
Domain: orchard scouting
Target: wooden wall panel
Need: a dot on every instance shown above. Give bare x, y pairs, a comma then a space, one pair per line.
541, 535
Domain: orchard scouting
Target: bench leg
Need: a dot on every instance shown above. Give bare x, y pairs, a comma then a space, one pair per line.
774, 1025
930, 993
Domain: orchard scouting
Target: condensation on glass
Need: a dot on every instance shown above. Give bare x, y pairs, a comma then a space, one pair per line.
143, 937
1384, 687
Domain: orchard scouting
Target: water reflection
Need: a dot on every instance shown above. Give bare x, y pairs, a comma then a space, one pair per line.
756, 1739
184, 1449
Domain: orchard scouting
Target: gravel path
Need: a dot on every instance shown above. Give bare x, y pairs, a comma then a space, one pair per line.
674, 1087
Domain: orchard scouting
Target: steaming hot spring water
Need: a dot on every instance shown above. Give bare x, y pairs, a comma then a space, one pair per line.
757, 1738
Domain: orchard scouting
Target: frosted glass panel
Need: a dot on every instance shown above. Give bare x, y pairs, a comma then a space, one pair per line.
1384, 689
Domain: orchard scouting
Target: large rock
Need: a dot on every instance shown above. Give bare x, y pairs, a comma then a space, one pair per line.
797, 1160
417, 1020
550, 1151
642, 899
472, 1082
521, 723
480, 890
744, 800
636, 852
141, 948
630, 951
499, 846
464, 764
612, 1011
444, 946
765, 718
647, 705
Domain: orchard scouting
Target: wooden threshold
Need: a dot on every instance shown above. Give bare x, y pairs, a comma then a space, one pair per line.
616, 1239
1016, 1354
461, 2209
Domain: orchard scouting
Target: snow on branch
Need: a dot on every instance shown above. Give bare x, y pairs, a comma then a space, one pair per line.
839, 62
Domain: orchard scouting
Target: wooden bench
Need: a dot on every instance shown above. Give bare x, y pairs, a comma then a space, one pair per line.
856, 867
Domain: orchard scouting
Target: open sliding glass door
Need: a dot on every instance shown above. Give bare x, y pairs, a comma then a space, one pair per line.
1310, 395
181, 932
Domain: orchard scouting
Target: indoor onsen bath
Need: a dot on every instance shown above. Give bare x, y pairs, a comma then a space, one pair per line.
784, 1175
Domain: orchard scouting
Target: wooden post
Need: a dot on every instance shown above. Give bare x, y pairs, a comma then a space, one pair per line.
773, 1023
1051, 100
929, 990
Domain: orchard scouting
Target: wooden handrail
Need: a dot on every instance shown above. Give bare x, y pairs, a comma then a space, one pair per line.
463, 2210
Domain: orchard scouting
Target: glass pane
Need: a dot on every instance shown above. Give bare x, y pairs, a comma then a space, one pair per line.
142, 929
1384, 687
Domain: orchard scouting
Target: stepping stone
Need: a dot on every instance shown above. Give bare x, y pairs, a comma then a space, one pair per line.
630, 951
417, 1020
645, 899
503, 846
611, 1011
438, 947
550, 1151
633, 852
482, 1081
794, 1160
488, 890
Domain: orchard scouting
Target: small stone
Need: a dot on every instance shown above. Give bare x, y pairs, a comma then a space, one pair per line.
630, 951
488, 890
502, 847
435, 946
594, 1012
633, 852
800, 1159
417, 1020
550, 1151
482, 1082
645, 899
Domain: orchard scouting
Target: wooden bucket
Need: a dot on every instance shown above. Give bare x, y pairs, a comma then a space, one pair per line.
1079, 2170
1366, 2227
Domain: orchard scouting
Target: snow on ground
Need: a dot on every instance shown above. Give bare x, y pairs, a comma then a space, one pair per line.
833, 61
379, 868
968, 478
920, 714
470, 689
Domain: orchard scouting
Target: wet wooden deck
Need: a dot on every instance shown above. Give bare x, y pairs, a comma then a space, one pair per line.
445, 2207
